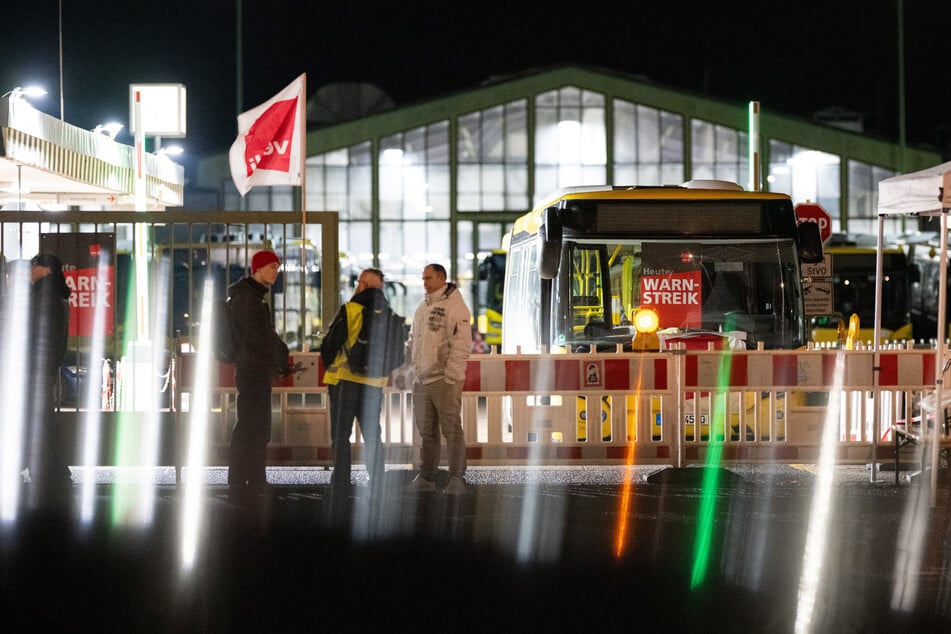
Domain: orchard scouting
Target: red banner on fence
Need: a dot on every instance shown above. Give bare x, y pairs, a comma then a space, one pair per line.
88, 268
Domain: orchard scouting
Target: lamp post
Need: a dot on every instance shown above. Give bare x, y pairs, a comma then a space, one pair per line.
157, 110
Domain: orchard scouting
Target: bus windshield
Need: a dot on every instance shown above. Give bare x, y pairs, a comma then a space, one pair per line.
697, 286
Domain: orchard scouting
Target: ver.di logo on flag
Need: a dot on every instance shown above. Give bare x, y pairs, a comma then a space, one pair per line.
267, 143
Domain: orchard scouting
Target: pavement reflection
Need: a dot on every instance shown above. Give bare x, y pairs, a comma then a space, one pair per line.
302, 556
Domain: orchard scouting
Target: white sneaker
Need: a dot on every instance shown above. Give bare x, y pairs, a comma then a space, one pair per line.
456, 486
421, 485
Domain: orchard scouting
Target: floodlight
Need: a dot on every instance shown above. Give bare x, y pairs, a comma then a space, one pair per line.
170, 150
110, 129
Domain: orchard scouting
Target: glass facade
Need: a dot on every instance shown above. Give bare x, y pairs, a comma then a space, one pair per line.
648, 145
570, 140
492, 155
417, 195
719, 153
863, 200
806, 174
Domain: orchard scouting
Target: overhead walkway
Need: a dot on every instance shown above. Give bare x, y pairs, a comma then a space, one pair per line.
46, 162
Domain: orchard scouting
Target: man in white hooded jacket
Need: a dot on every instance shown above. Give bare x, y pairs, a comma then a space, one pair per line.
437, 351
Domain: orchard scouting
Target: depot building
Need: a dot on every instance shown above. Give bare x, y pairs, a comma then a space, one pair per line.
443, 180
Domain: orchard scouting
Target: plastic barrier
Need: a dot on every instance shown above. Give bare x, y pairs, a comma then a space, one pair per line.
666, 408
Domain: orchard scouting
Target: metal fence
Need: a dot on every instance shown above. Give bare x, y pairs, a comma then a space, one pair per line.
183, 251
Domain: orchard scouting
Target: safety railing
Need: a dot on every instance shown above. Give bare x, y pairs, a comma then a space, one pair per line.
676, 407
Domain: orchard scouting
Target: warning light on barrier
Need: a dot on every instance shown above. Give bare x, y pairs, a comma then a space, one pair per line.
646, 321
853, 332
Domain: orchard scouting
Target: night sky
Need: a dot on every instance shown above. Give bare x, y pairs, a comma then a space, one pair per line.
795, 58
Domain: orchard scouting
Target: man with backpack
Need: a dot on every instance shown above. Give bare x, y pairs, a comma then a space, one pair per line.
260, 355
356, 390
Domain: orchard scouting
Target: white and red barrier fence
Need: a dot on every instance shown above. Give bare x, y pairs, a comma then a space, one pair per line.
665, 408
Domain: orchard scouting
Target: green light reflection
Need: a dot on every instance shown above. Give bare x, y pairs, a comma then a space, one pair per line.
708, 496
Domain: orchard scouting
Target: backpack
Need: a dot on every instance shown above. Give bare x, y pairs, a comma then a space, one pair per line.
225, 348
378, 349
335, 339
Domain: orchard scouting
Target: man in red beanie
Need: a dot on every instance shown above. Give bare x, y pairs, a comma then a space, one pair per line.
260, 354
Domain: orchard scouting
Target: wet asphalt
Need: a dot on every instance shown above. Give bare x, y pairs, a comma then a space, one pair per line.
738, 548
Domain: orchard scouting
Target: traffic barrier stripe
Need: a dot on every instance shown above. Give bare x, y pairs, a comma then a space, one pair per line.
535, 374
710, 370
565, 373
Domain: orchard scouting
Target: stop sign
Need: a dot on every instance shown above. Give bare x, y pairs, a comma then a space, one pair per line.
813, 212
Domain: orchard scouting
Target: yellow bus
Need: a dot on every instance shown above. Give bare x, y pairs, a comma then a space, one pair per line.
714, 262
487, 304
708, 261
852, 283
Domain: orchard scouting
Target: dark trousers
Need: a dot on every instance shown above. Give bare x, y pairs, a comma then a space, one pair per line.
46, 453
349, 400
252, 431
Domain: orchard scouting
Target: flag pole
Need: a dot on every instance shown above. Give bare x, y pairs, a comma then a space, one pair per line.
302, 127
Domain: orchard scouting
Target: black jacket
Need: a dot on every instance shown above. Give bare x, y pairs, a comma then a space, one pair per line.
259, 349
49, 322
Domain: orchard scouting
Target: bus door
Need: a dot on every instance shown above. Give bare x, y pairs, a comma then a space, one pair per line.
588, 286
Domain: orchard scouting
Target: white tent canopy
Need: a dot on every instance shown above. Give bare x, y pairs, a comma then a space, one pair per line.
917, 192
926, 192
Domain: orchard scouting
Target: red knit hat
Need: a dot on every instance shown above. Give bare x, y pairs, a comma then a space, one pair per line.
262, 259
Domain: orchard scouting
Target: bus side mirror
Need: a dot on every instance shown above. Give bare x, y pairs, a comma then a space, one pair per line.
810, 243
549, 248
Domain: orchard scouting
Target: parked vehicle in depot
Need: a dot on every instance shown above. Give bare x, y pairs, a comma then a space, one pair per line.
925, 266
853, 260
489, 293
715, 264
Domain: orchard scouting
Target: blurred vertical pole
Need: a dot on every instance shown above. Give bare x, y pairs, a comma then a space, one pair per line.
141, 347
901, 85
239, 43
239, 73
141, 204
302, 135
61, 100
756, 181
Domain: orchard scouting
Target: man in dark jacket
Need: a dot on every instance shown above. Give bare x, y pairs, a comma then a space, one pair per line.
260, 356
49, 332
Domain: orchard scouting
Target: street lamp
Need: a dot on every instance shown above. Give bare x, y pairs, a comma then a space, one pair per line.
29, 91
110, 129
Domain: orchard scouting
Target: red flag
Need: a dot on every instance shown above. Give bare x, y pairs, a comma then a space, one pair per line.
269, 144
